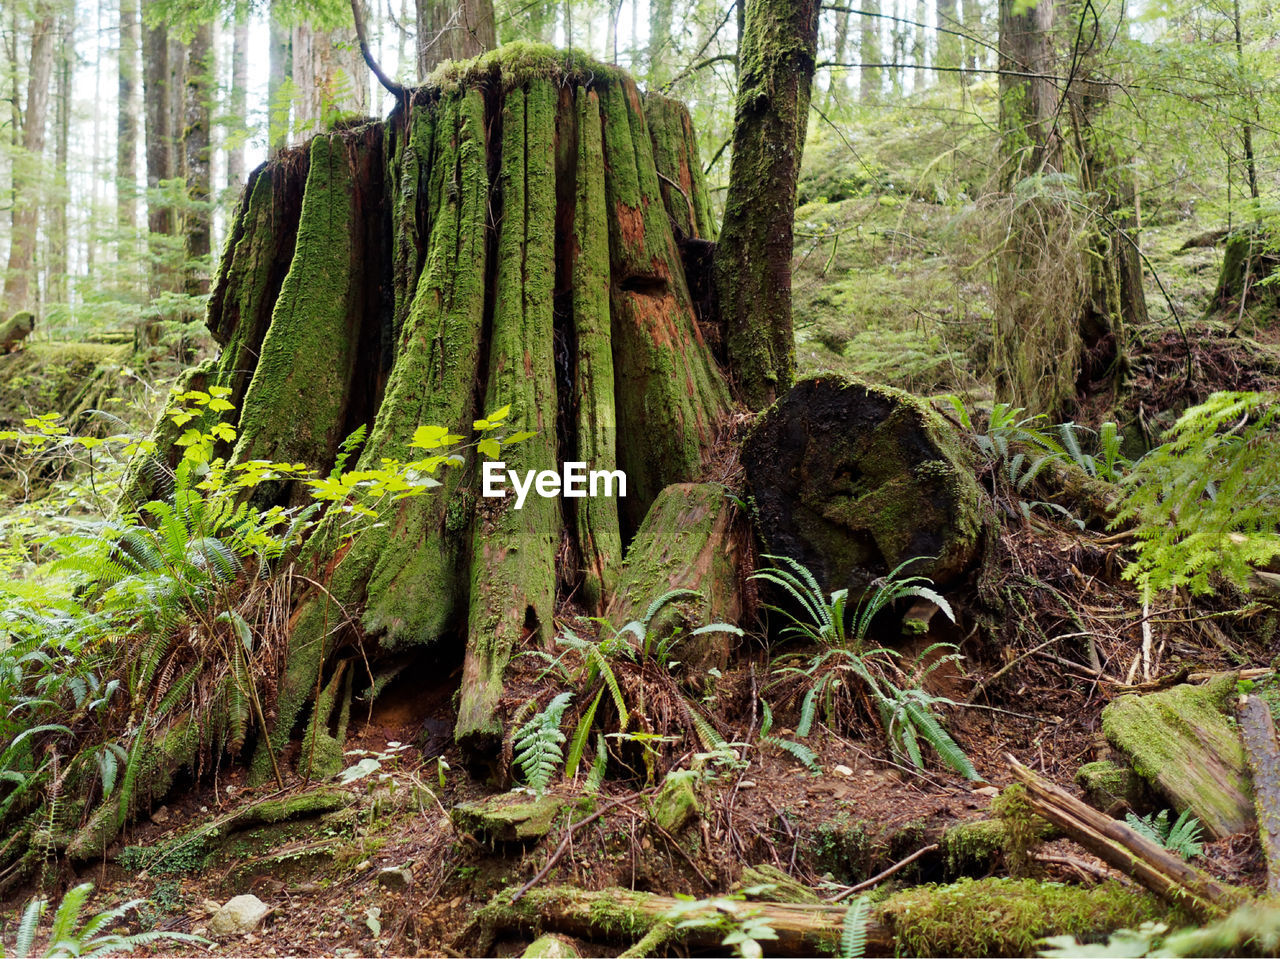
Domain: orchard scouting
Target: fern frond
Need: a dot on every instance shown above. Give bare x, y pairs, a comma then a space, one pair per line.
538, 744
853, 937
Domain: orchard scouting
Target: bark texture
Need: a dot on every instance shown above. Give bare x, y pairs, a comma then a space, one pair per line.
501, 239
453, 30
776, 61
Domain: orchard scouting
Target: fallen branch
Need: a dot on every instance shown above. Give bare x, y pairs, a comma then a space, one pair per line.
1121, 847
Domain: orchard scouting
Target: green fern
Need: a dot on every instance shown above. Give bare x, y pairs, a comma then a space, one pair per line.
799, 751
1206, 501
1182, 836
853, 937
66, 937
538, 744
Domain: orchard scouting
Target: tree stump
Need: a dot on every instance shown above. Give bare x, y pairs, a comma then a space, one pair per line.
852, 480
503, 238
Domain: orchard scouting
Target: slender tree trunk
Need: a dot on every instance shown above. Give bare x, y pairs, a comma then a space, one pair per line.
280, 66
949, 53
239, 100
920, 43
836, 75
869, 77
328, 78
453, 30
1028, 103
659, 38
752, 264
158, 73
197, 153
972, 13
127, 130
20, 290
59, 239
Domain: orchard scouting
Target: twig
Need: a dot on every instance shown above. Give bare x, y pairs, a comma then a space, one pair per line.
693, 216
880, 877
1004, 669
395, 88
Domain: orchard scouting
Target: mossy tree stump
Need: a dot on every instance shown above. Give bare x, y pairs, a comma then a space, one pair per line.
503, 238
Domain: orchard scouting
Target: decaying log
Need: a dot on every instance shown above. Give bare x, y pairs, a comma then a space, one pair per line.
1259, 734
851, 480
622, 915
1184, 743
1161, 871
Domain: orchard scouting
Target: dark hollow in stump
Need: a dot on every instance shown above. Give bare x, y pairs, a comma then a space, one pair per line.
503, 238
851, 480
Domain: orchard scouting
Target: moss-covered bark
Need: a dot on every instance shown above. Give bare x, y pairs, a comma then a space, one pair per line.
501, 240
675, 154
310, 351
668, 388
776, 60
513, 551
594, 405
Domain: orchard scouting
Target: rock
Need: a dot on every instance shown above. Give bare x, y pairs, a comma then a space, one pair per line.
161, 815
1182, 741
1107, 785
241, 914
395, 878
852, 480
991, 791
843, 770
16, 329
508, 817
551, 947
210, 906
676, 804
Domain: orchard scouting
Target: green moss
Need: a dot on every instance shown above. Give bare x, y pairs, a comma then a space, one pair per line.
550, 947
1183, 742
675, 805
1005, 917
513, 565
295, 406
973, 846
517, 64
509, 817
1106, 783
675, 154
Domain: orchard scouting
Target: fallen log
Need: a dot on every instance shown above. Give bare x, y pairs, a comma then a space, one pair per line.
1161, 871
1003, 917
1259, 734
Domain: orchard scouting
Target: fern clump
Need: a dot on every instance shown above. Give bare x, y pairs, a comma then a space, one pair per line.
1207, 501
1181, 836
539, 744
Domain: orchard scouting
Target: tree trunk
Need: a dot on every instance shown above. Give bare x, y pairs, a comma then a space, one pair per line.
502, 241
869, 77
659, 37
197, 223
239, 100
157, 77
753, 258
328, 79
1028, 104
948, 43
127, 129
59, 239
20, 279
280, 66
453, 30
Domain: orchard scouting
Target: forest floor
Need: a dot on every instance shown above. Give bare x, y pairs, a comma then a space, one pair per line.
894, 300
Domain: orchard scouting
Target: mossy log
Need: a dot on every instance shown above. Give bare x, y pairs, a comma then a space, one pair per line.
1183, 742
852, 480
502, 239
972, 917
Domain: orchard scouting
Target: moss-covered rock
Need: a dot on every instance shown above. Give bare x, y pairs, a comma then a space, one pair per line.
1184, 743
675, 805
852, 480
551, 947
